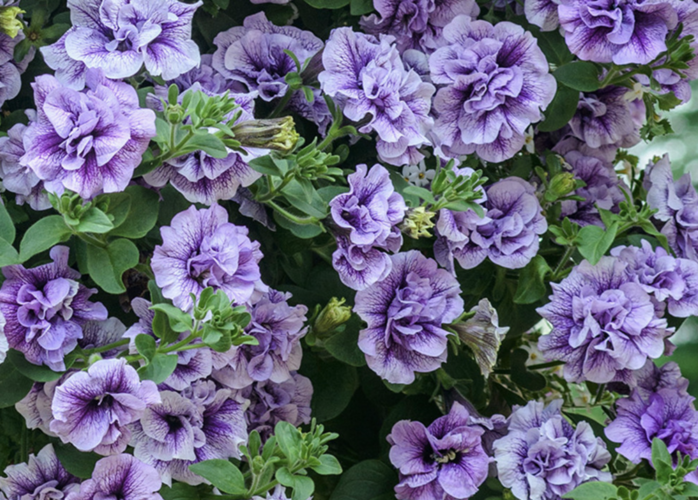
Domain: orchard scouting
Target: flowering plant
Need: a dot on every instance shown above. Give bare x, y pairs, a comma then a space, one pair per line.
344, 250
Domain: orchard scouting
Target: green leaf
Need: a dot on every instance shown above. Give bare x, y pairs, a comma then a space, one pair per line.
142, 214
367, 480
303, 231
303, 488
106, 266
421, 192
8, 254
146, 346
266, 165
334, 384
361, 7
7, 227
688, 489
179, 320
344, 345
327, 4
329, 465
179, 491
119, 205
289, 439
595, 241
579, 75
554, 47
531, 287
208, 143
594, 490
44, 234
661, 460
561, 110
38, 373
13, 385
95, 221
78, 463
301, 194
221, 474
648, 488
159, 368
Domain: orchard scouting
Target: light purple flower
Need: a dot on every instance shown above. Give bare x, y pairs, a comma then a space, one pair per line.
89, 142
279, 492
278, 327
606, 117
17, 178
359, 266
120, 476
404, 314
443, 461
271, 403
368, 77
35, 407
602, 189
416, 24
102, 333
120, 36
666, 414
543, 457
604, 324
200, 249
508, 234
676, 203
495, 82
45, 309
651, 378
11, 70
43, 477
628, 32
93, 409
542, 13
668, 279
221, 423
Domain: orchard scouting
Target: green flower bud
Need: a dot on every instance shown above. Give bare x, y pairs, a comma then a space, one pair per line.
418, 223
175, 113
274, 133
333, 315
93, 359
561, 185
9, 24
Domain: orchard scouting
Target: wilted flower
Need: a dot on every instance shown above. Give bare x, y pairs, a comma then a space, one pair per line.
604, 324
368, 77
666, 414
88, 142
543, 457
605, 31
93, 409
202, 249
278, 328
482, 335
120, 476
45, 309
119, 36
404, 313
41, 478
495, 81
442, 461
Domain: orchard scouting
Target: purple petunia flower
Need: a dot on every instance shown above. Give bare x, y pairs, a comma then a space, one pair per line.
278, 327
93, 409
416, 24
271, 403
45, 309
368, 77
606, 117
200, 249
102, 333
120, 36
542, 13
508, 234
495, 81
676, 203
279, 492
89, 142
35, 407
120, 476
442, 461
43, 477
628, 32
253, 54
651, 378
604, 324
217, 430
668, 279
404, 313
11, 70
367, 218
666, 414
543, 457
17, 178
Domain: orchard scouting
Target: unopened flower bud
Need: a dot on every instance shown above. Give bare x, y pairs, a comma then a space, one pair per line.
274, 133
9, 24
418, 223
561, 185
333, 315
93, 359
175, 113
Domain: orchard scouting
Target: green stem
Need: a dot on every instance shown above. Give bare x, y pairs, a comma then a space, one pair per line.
273, 190
599, 393
182, 343
563, 262
283, 102
543, 366
107, 347
90, 240
303, 221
